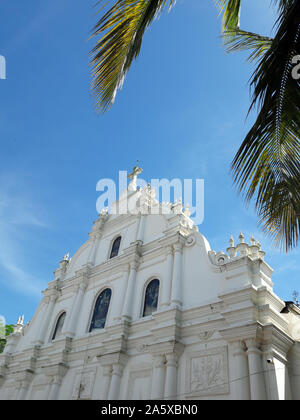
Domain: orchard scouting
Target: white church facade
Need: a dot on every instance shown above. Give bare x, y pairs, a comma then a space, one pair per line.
146, 310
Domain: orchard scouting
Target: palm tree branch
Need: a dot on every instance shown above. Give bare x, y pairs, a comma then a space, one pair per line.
239, 40
268, 161
121, 30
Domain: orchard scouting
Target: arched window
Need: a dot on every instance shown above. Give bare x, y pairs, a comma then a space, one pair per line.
101, 309
59, 326
115, 247
151, 297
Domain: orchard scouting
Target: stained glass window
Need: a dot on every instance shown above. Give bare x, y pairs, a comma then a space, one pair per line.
115, 248
59, 326
101, 309
151, 297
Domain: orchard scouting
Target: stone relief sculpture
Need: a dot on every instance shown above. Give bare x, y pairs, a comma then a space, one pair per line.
207, 373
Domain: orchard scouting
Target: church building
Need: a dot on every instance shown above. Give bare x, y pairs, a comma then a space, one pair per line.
146, 310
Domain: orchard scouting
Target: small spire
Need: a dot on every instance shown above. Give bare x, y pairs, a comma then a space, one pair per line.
231, 241
241, 238
252, 240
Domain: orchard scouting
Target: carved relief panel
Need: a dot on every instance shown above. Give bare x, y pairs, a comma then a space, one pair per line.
139, 385
207, 372
84, 384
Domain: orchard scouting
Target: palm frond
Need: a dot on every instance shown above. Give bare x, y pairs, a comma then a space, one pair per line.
268, 161
231, 10
121, 31
239, 40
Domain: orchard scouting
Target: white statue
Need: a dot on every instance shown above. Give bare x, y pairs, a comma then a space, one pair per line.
66, 257
18, 328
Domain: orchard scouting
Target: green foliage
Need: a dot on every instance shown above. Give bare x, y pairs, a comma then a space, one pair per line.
8, 330
267, 165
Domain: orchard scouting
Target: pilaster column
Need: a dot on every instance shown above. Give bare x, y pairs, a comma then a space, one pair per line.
257, 380
115, 383
55, 386
23, 390
55, 374
158, 377
167, 284
24, 380
140, 232
50, 302
295, 370
107, 373
16, 390
240, 378
127, 310
121, 294
71, 326
177, 274
171, 376
93, 248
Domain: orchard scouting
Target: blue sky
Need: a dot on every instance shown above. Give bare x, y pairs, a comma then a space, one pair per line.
181, 112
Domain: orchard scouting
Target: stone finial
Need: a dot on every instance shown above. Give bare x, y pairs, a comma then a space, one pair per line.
187, 211
242, 247
241, 238
231, 249
252, 240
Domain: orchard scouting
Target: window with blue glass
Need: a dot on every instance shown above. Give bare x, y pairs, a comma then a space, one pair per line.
115, 247
59, 326
101, 309
151, 297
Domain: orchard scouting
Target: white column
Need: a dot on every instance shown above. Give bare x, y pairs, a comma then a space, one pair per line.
107, 373
46, 319
171, 376
120, 295
158, 377
92, 252
240, 378
140, 233
115, 383
70, 311
55, 386
127, 310
167, 284
295, 370
177, 274
71, 328
23, 390
17, 390
257, 379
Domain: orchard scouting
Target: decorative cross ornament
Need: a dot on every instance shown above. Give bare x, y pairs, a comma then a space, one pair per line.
133, 176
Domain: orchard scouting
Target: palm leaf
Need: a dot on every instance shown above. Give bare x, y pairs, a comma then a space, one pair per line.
231, 10
268, 161
121, 30
239, 40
